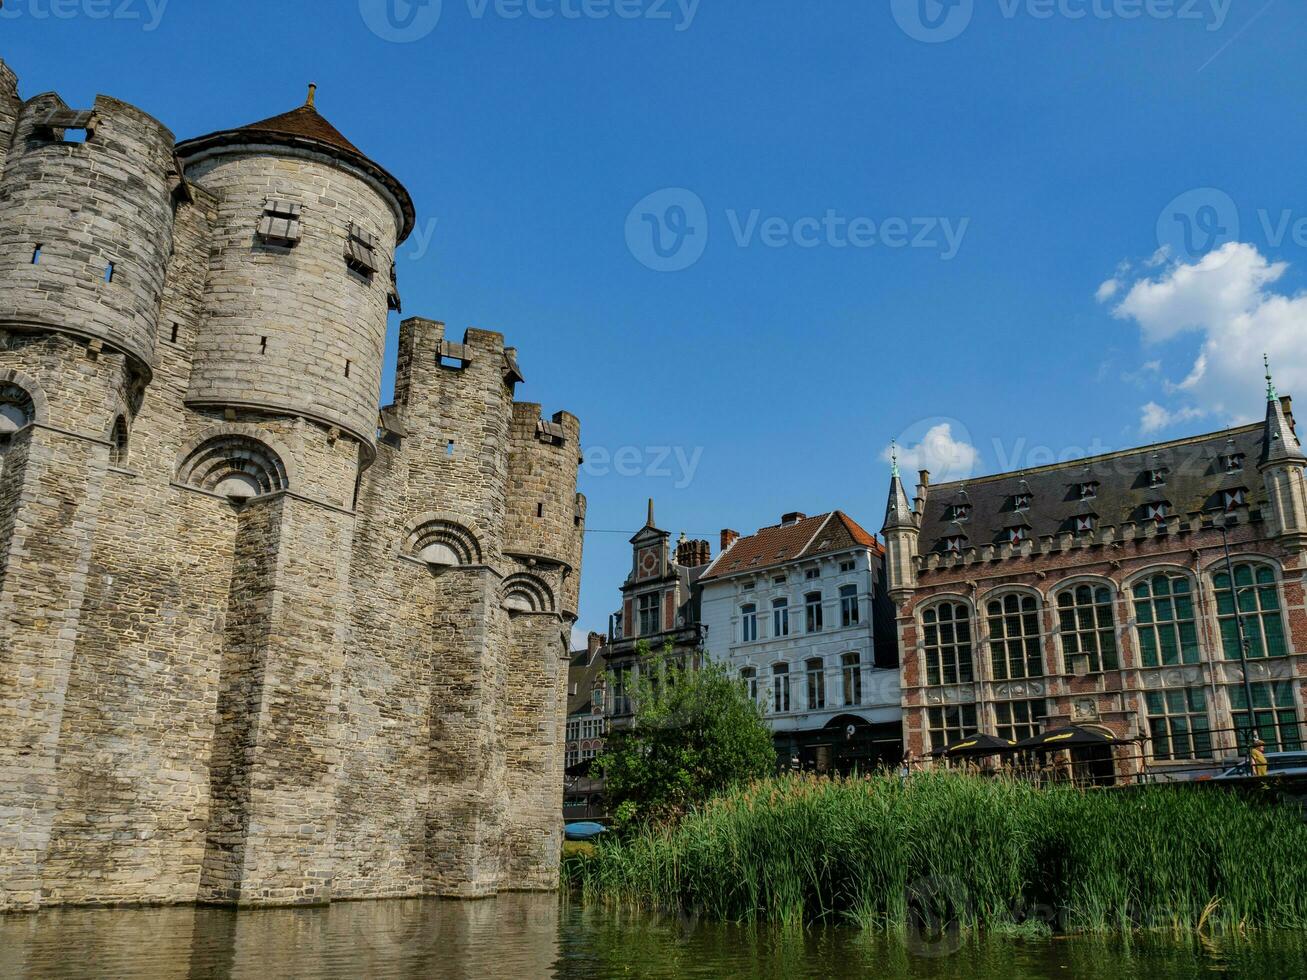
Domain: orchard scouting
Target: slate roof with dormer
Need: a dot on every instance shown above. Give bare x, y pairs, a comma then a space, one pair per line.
1195, 477
780, 544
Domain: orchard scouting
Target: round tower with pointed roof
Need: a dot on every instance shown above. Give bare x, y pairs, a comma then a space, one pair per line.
1284, 467
301, 272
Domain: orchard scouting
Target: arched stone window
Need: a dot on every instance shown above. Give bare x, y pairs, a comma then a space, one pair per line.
1088, 627
946, 629
234, 466
16, 409
118, 441
1258, 597
526, 593
444, 543
1165, 620
1015, 648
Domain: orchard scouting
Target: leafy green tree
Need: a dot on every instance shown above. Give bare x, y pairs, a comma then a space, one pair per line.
696, 732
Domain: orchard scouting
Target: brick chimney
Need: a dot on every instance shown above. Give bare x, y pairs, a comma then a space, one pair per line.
594, 643
692, 554
793, 517
729, 538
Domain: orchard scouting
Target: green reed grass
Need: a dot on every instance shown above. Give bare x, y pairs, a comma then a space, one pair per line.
988, 853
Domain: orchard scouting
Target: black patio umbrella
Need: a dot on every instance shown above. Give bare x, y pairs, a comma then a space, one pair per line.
1071, 737
974, 746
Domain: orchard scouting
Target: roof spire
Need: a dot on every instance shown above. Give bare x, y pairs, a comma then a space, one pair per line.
894, 457
650, 521
1271, 393
313, 94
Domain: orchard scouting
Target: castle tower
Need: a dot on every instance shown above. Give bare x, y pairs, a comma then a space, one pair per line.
284, 386
1283, 465
542, 541
901, 531
85, 234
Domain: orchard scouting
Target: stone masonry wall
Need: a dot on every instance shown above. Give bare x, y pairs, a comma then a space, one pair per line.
273, 700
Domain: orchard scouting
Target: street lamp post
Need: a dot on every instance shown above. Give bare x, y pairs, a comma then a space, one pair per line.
1243, 636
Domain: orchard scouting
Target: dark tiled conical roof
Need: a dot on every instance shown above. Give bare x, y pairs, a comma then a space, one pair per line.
307, 122
305, 126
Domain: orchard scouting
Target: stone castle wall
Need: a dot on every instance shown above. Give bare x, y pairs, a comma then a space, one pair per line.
257, 647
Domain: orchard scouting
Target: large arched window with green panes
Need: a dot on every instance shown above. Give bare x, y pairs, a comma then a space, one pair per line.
1014, 642
1258, 608
1088, 627
1165, 622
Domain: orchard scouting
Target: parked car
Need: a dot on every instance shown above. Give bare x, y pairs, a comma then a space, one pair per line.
1277, 764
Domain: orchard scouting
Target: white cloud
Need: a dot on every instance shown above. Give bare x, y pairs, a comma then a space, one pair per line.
1226, 299
1107, 290
1154, 417
947, 458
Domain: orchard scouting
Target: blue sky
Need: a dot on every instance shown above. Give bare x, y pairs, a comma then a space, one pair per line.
1002, 231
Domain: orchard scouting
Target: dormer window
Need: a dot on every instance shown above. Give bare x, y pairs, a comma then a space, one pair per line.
1088, 491
1086, 524
1022, 501
1234, 499
959, 512
1233, 462
953, 545
362, 252
1157, 478
1159, 511
1016, 535
280, 224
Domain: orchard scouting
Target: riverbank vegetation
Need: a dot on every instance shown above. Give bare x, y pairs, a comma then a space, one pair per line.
942, 850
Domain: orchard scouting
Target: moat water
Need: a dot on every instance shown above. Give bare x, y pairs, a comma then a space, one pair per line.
522, 937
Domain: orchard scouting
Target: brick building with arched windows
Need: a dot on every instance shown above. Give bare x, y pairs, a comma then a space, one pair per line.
1099, 591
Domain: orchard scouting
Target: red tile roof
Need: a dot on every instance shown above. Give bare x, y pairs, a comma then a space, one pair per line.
783, 543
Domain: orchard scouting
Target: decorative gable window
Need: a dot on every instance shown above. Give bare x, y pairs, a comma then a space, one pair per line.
954, 544
1016, 535
280, 224
1086, 524
1022, 501
1233, 462
1233, 499
1088, 491
1157, 478
362, 251
959, 512
1159, 511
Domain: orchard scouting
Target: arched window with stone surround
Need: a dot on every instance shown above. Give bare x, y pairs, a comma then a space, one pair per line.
1087, 624
16, 410
237, 467
1165, 620
1257, 593
444, 543
1015, 646
526, 593
946, 630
